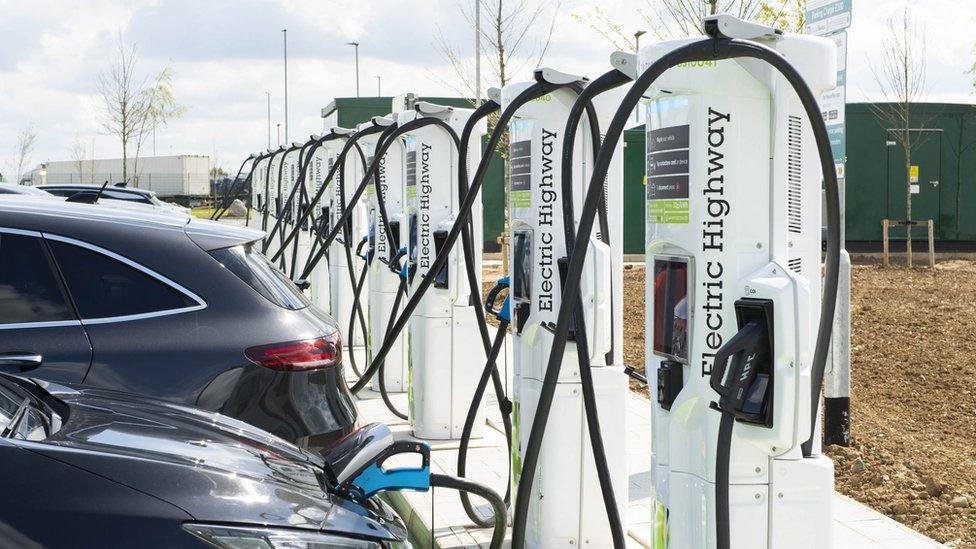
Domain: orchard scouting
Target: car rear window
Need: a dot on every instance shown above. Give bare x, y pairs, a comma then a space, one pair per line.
29, 289
103, 287
253, 268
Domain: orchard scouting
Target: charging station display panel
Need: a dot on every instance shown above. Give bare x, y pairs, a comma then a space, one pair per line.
522, 266
410, 143
413, 237
671, 308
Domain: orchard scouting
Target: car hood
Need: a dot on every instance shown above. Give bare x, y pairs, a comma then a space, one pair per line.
213, 467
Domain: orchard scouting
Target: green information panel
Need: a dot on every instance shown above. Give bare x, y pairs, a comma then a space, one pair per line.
667, 211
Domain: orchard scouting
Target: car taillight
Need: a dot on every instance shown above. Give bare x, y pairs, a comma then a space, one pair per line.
298, 356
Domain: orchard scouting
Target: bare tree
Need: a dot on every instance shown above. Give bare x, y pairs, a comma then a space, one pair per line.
79, 154
668, 19
124, 110
599, 21
900, 75
133, 110
26, 140
160, 107
684, 17
508, 40
510, 45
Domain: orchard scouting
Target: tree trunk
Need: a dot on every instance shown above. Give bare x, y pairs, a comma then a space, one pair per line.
908, 195
125, 162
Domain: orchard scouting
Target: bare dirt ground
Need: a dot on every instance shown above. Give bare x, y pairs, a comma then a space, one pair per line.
913, 396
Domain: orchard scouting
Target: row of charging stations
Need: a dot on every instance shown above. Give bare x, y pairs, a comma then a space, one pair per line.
733, 282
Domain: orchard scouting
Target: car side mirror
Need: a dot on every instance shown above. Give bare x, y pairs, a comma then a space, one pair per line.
303, 284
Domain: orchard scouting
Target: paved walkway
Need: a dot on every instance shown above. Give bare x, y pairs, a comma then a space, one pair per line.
437, 520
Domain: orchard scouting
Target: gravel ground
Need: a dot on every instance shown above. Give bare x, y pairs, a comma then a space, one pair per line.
913, 401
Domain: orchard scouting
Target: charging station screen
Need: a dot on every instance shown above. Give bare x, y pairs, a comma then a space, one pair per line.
522, 266
413, 238
671, 308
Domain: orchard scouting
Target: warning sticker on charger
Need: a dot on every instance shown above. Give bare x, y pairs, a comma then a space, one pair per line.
667, 177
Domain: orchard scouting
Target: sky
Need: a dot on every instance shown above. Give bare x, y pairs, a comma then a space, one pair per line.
225, 55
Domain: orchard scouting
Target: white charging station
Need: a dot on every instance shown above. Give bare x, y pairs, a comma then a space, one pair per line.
303, 240
323, 158
259, 174
289, 179
446, 352
342, 293
384, 282
733, 205
271, 213
567, 508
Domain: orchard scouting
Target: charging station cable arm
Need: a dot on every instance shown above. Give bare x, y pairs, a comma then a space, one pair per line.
497, 505
235, 186
479, 393
328, 178
401, 290
532, 92
386, 139
267, 190
250, 177
584, 104
490, 371
279, 223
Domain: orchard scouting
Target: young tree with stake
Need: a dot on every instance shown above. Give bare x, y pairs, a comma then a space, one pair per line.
900, 75
132, 111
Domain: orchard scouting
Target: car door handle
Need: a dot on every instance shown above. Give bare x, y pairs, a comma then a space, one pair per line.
25, 361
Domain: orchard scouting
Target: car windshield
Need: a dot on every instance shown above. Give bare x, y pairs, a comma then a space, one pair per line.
253, 267
21, 416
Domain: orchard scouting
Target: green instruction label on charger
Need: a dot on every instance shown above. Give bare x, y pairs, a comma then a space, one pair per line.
668, 211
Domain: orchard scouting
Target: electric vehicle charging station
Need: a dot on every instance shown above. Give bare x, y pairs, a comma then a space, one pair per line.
323, 158
271, 213
270, 169
566, 506
383, 279
444, 345
287, 208
259, 174
303, 240
342, 292
733, 296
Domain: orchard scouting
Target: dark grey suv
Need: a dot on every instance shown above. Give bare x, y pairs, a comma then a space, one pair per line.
171, 307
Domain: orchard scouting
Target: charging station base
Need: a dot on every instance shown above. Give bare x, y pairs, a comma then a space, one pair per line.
446, 359
567, 505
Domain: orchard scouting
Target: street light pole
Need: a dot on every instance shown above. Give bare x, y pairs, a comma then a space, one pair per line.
637, 36
279, 134
356, 46
379, 86
284, 33
269, 117
477, 52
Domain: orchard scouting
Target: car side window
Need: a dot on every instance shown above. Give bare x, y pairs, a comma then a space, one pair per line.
104, 287
29, 288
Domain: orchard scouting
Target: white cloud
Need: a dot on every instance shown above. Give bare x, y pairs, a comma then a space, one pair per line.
227, 54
